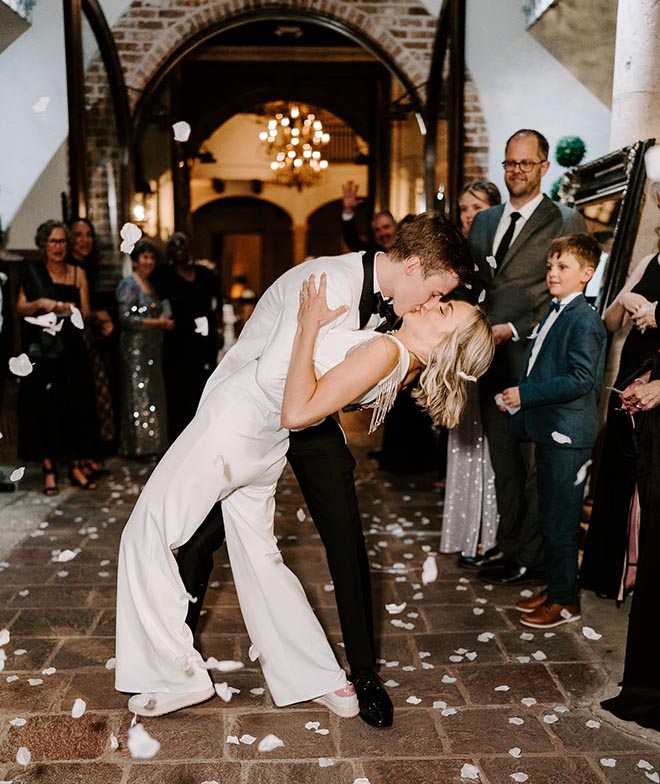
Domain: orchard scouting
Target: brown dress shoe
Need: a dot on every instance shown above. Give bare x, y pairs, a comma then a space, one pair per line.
534, 602
549, 615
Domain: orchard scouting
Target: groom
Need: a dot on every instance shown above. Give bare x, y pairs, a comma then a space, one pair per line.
427, 260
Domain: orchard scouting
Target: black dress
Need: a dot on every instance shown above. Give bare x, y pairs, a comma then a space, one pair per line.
605, 556
56, 406
189, 357
639, 699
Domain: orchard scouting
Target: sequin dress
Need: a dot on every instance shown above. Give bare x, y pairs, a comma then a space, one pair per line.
470, 510
144, 409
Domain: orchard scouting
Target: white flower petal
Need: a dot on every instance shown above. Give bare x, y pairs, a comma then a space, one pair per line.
233, 739
79, 708
5, 636
258, 691
608, 762
582, 473
23, 756
519, 777
224, 665
111, 664
539, 656
528, 701
470, 772
395, 609
590, 634
35, 681
114, 743
592, 724
41, 104
653, 777
76, 318
550, 718
325, 762
49, 671
300, 514
515, 752
560, 438
413, 700
20, 365
65, 555
140, 744
181, 131
502, 688
17, 722
644, 765
448, 679
269, 743
429, 570
247, 740
322, 732
225, 691
17, 474
492, 261
652, 162
482, 296
253, 653
516, 720
312, 725
202, 325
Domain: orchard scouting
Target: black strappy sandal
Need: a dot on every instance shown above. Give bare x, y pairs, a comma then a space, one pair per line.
50, 471
85, 483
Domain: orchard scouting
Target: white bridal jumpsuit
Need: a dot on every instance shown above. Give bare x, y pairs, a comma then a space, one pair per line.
233, 450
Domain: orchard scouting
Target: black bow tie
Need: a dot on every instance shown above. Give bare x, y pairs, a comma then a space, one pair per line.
555, 304
385, 309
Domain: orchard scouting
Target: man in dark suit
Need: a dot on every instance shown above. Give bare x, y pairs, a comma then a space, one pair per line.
509, 244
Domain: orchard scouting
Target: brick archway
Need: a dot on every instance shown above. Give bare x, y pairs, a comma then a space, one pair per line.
401, 34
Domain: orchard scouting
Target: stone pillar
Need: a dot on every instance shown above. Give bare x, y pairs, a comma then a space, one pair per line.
636, 95
299, 243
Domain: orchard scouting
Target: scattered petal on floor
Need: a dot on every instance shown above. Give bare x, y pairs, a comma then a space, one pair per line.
395, 609
247, 740
448, 679
269, 743
79, 708
258, 691
23, 756
140, 744
470, 772
111, 664
17, 722
253, 653
528, 701
608, 762
325, 762
300, 514
502, 688
413, 700
114, 743
520, 776
515, 752
65, 555
17, 474
653, 777
644, 765
550, 718
592, 724
429, 570
233, 739
590, 634
225, 691
516, 720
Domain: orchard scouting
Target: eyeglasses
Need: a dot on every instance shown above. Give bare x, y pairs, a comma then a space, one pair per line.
57, 242
524, 166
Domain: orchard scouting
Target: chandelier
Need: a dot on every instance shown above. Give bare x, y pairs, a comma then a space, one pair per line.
294, 140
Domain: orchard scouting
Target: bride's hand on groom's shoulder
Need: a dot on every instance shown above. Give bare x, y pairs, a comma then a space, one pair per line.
313, 310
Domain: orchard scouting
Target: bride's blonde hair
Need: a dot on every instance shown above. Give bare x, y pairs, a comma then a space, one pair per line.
459, 359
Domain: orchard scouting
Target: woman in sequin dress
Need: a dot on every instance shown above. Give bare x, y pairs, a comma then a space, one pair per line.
144, 410
470, 509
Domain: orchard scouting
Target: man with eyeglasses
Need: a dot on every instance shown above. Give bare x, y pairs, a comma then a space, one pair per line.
509, 244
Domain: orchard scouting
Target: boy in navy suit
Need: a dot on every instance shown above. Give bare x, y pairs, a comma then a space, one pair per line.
555, 407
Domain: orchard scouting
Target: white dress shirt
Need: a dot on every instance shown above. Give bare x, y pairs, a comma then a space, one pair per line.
547, 326
375, 319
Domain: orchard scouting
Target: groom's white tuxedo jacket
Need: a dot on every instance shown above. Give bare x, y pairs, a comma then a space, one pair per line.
270, 330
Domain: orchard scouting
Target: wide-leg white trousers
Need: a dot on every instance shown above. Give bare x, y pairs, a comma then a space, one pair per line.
233, 450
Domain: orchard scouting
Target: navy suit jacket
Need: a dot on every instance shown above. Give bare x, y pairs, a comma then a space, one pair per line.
561, 393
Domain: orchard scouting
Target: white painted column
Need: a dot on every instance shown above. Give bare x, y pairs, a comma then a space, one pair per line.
636, 94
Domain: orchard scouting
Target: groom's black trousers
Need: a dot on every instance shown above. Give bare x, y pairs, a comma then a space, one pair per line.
323, 466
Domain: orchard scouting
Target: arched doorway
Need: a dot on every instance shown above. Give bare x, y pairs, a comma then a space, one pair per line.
244, 236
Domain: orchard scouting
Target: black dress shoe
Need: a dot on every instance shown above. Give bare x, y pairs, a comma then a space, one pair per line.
510, 573
375, 704
489, 558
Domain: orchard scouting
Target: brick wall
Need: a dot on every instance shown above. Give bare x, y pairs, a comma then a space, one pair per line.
147, 34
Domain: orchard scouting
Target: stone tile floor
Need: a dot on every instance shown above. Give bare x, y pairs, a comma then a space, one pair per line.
447, 668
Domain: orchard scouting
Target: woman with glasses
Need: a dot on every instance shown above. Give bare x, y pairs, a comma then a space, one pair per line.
57, 417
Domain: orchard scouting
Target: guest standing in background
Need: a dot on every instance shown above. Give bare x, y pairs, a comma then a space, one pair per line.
83, 253
144, 410
190, 349
56, 412
469, 515
610, 555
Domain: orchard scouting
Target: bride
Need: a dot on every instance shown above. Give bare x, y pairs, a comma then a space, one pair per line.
234, 451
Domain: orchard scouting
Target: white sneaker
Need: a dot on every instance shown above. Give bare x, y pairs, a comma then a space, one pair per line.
160, 703
343, 702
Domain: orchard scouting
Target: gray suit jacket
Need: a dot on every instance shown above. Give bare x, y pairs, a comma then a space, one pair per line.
516, 292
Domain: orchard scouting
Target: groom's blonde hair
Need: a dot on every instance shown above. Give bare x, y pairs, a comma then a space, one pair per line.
459, 359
